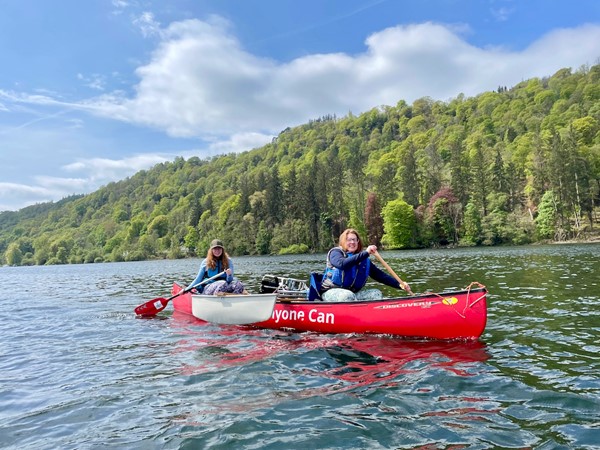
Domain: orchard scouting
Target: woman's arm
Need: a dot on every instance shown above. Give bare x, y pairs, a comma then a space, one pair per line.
230, 271
200, 276
379, 275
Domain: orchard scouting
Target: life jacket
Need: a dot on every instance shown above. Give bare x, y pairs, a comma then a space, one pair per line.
209, 273
353, 278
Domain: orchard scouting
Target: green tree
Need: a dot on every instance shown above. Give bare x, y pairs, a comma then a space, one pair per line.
408, 175
13, 255
159, 225
191, 239
120, 215
479, 163
471, 225
273, 200
444, 215
498, 151
399, 223
136, 229
547, 217
263, 239
459, 166
373, 220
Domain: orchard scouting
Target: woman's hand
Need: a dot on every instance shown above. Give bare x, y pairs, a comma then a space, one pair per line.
405, 286
228, 272
372, 249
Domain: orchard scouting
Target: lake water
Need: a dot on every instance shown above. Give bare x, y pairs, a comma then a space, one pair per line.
79, 371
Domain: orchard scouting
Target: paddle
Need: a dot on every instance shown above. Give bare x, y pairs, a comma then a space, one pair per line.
403, 284
158, 304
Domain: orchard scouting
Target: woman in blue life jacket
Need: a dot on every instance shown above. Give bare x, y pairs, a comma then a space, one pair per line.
348, 269
217, 261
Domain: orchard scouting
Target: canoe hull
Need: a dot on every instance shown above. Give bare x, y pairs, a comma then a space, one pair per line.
233, 309
450, 315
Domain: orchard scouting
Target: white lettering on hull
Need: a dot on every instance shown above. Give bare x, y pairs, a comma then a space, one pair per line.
427, 304
314, 316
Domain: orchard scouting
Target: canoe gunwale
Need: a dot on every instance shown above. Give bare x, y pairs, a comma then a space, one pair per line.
417, 297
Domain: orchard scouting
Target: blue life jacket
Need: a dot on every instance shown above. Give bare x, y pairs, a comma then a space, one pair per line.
353, 278
209, 273
212, 272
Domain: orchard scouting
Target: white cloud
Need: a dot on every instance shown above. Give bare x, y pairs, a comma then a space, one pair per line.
103, 170
94, 172
23, 97
20, 189
94, 81
147, 25
239, 143
502, 14
120, 6
62, 186
14, 195
201, 82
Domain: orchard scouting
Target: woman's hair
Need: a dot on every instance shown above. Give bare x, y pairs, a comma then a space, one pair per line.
344, 237
211, 260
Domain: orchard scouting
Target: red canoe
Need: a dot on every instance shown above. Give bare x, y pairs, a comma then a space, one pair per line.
449, 315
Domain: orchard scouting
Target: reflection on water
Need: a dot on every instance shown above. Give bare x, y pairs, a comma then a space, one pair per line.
78, 370
321, 367
356, 359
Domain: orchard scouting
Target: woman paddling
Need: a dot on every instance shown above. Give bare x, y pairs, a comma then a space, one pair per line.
217, 260
348, 269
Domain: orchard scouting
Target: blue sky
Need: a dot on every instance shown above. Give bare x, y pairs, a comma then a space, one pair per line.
92, 91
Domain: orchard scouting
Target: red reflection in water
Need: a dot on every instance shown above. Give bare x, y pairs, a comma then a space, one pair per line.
362, 359
437, 447
359, 361
366, 360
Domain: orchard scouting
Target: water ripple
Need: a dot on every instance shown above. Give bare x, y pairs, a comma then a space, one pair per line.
78, 370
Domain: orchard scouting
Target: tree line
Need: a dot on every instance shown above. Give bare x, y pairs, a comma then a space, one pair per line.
514, 166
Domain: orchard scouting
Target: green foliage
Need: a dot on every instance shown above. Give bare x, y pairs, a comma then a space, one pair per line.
120, 215
399, 224
471, 171
472, 225
373, 220
263, 239
585, 128
192, 239
159, 225
357, 224
443, 216
136, 229
547, 216
296, 249
13, 255
494, 227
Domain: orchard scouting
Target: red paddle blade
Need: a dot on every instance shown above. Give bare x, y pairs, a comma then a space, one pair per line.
152, 307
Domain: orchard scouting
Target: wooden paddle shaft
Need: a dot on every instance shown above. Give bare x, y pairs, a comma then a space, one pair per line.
403, 284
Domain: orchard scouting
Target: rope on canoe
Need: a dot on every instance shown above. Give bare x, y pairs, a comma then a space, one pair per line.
470, 305
467, 304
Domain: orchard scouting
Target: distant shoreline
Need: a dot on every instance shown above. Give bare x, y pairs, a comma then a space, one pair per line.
591, 238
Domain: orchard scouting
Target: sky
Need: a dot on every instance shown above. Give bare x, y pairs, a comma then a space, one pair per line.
94, 91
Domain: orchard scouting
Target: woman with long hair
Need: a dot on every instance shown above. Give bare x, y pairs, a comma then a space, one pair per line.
348, 269
217, 260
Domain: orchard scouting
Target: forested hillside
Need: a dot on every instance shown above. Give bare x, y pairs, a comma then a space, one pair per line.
514, 166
